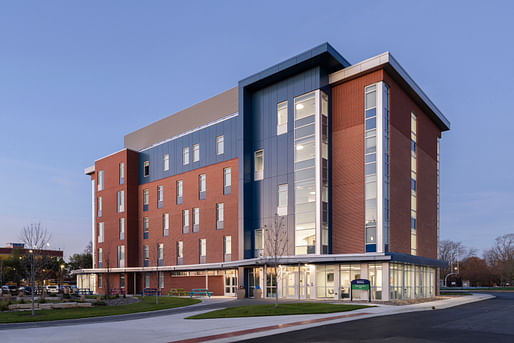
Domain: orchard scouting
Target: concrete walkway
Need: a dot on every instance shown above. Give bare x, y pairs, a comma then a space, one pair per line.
174, 328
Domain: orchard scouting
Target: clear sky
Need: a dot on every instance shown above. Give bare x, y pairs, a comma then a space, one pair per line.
75, 76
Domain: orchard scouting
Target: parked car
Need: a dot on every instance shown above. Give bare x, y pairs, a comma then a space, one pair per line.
27, 290
10, 289
52, 289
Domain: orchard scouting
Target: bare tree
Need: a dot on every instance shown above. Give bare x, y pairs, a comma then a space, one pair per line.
107, 260
501, 257
276, 245
35, 239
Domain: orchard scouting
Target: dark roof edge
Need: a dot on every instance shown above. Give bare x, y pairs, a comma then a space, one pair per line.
399, 257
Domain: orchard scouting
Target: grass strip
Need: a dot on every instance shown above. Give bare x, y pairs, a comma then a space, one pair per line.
145, 305
281, 310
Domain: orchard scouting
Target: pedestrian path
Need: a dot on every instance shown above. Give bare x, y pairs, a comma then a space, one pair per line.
174, 328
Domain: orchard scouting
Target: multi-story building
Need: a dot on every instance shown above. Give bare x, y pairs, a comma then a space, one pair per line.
329, 166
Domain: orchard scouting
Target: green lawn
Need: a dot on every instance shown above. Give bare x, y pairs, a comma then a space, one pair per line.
146, 304
281, 310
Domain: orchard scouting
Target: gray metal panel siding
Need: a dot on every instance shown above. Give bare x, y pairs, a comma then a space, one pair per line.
260, 198
206, 137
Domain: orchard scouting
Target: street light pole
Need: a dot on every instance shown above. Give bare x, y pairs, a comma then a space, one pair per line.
32, 278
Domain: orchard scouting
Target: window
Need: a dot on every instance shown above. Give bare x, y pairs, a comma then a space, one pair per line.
281, 118
203, 250
179, 192
180, 251
196, 152
282, 200
146, 255
100, 281
259, 243
161, 280
370, 167
146, 168
165, 224
196, 219
100, 180
99, 206
227, 180
185, 155
121, 201
100, 257
147, 280
219, 216
121, 256
122, 280
202, 186
146, 199
220, 145
160, 254
146, 227
160, 196
100, 232
413, 172
227, 247
259, 165
185, 221
122, 173
166, 162
122, 229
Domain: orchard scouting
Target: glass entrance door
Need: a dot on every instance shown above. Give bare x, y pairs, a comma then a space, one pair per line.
230, 282
254, 280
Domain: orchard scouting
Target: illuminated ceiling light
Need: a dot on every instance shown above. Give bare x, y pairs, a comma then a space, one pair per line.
299, 106
312, 193
299, 147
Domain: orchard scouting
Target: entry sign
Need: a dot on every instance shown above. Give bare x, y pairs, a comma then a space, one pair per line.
360, 285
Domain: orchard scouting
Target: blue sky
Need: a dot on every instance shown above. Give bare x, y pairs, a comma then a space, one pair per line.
75, 76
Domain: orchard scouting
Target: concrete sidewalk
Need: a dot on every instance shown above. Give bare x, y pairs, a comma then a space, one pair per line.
174, 328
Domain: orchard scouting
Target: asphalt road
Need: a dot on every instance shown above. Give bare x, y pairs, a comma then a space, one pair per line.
485, 321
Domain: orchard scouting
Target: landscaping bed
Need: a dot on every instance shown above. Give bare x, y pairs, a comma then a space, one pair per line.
281, 310
116, 308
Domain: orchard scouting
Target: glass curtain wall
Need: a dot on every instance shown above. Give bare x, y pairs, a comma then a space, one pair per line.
311, 173
370, 167
408, 281
413, 201
349, 272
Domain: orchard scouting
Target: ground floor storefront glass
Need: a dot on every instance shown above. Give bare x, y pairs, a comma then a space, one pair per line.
409, 281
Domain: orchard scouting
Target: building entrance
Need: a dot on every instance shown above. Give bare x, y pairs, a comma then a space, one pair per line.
230, 282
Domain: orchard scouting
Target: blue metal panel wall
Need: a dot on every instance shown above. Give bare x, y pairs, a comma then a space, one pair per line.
260, 132
206, 137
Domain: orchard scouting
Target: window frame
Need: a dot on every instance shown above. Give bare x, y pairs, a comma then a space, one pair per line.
166, 162
258, 173
196, 152
220, 142
185, 156
282, 127
146, 168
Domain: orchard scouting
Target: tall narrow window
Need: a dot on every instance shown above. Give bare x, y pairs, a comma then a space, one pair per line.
147, 280
180, 252
166, 162
227, 180
100, 180
99, 206
122, 229
259, 165
413, 196
202, 186
282, 118
370, 167
146, 199
161, 279
122, 280
122, 173
165, 224
282, 200
146, 168
196, 219
121, 201
259, 243
185, 221
146, 256
227, 247
203, 250
196, 152
100, 257
160, 254
100, 232
179, 192
220, 145
185, 155
220, 216
160, 196
121, 256
146, 227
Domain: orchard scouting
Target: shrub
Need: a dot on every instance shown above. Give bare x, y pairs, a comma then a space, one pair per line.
4, 306
42, 301
100, 303
22, 301
66, 296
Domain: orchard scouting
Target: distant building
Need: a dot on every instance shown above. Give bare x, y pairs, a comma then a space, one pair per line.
347, 154
9, 248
